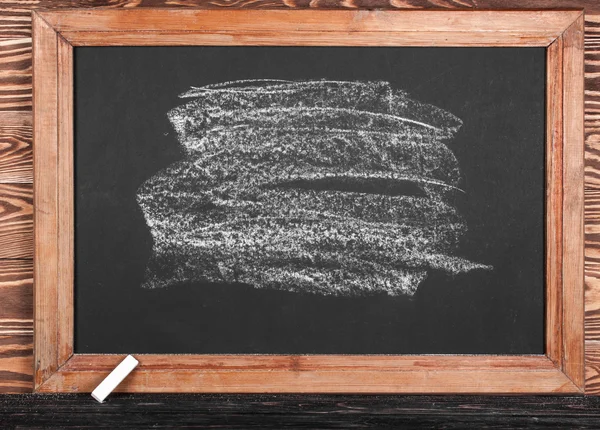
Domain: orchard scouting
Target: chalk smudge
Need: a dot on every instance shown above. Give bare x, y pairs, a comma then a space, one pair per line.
328, 187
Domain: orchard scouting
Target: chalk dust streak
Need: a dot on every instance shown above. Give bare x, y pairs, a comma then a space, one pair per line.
338, 188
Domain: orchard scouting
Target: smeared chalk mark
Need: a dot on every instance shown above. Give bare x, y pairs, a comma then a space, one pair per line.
329, 187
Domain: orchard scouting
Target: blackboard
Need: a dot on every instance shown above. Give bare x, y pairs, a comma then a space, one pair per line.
484, 105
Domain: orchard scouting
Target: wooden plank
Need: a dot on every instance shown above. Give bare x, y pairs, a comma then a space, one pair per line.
16, 326
16, 364
592, 203
554, 199
15, 18
16, 221
313, 38
192, 381
272, 411
592, 370
573, 168
304, 363
16, 155
530, 23
592, 309
15, 15
16, 296
592, 118
319, 374
66, 219
46, 200
329, 381
15, 74
590, 5
592, 226
592, 367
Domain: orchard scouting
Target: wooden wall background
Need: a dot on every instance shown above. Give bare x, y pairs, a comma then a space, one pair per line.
16, 176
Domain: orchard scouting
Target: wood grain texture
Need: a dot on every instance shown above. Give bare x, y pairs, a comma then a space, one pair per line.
15, 15
592, 367
573, 171
16, 326
554, 198
316, 374
315, 38
528, 23
15, 74
46, 199
309, 363
16, 290
15, 24
16, 155
16, 363
66, 198
16, 222
592, 203
592, 308
193, 373
299, 411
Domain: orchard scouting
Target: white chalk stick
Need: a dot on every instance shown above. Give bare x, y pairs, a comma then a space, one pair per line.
114, 378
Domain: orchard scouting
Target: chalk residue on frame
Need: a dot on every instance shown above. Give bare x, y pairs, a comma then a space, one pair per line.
318, 186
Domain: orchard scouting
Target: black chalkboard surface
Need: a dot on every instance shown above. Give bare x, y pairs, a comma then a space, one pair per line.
309, 200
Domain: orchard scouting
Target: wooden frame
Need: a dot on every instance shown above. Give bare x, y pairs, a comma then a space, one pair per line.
559, 370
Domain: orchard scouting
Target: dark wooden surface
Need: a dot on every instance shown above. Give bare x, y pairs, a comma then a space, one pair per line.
292, 411
16, 233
